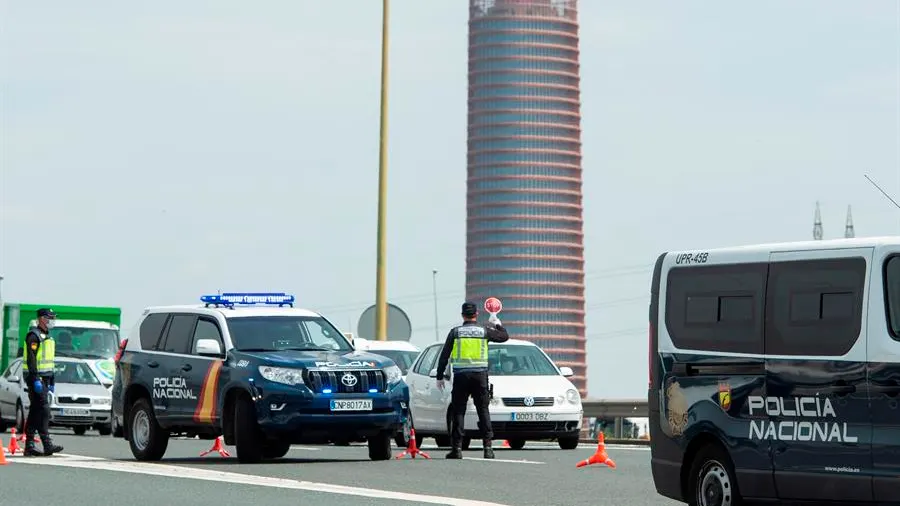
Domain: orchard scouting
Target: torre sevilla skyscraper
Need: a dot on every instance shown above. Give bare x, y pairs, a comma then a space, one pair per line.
524, 232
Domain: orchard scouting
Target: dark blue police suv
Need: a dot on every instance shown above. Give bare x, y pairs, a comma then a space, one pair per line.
257, 371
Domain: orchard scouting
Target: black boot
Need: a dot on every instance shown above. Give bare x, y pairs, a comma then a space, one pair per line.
455, 453
49, 447
30, 450
488, 451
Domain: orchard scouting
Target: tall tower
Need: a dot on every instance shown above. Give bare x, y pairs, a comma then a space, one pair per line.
817, 224
524, 234
848, 228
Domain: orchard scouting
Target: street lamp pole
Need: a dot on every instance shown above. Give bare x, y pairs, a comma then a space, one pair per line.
380, 289
437, 336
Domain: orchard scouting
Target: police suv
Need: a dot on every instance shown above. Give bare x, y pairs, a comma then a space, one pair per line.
775, 373
257, 371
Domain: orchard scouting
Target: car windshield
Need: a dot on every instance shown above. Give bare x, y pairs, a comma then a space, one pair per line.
279, 333
510, 360
403, 358
74, 372
85, 343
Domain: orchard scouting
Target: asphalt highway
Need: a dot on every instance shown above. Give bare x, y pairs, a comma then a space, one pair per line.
95, 469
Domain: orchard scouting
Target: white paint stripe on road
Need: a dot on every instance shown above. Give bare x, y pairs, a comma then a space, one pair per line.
305, 448
84, 462
504, 460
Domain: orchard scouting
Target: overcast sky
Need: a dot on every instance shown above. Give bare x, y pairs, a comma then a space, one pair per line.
153, 152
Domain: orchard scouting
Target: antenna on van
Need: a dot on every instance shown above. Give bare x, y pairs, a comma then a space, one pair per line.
882, 191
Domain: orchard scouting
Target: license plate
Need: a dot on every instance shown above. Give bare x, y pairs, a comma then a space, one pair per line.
351, 404
75, 412
530, 417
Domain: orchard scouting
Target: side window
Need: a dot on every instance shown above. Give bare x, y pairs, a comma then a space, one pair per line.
206, 329
892, 294
717, 307
180, 334
814, 306
151, 329
428, 359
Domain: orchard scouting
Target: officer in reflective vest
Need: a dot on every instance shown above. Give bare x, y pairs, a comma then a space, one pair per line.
466, 349
38, 369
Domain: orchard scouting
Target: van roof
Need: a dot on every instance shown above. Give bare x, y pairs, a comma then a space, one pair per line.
859, 242
83, 324
237, 311
368, 344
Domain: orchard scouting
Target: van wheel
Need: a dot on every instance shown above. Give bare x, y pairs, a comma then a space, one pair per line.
148, 440
80, 430
248, 438
402, 437
712, 481
116, 428
20, 418
380, 446
568, 443
276, 449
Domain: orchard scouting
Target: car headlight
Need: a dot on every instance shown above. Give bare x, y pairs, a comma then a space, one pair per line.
101, 402
572, 396
393, 374
282, 375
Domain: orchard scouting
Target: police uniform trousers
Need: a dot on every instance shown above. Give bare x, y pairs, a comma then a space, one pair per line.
38, 413
472, 383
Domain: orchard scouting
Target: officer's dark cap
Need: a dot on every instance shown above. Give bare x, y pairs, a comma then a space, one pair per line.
46, 312
469, 309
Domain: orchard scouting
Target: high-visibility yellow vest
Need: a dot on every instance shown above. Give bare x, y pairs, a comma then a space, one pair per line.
46, 356
470, 349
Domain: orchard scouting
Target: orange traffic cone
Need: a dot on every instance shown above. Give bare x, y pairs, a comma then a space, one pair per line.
3, 461
13, 442
599, 457
218, 446
412, 450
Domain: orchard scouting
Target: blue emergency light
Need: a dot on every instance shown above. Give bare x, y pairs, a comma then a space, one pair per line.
248, 299
326, 390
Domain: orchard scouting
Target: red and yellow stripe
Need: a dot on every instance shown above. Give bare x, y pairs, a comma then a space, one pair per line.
206, 408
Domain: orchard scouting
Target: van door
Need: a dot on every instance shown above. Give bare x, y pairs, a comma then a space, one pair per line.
817, 393
884, 374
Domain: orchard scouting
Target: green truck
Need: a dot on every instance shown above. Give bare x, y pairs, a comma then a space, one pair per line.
88, 332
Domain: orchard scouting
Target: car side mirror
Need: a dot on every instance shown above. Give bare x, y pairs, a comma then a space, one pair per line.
208, 348
433, 373
566, 371
13, 379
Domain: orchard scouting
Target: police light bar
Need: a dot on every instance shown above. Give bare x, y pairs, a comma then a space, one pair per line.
248, 299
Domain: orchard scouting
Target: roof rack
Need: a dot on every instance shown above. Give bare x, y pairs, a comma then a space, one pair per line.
230, 300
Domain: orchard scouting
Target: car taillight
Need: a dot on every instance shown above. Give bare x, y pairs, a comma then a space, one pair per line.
121, 350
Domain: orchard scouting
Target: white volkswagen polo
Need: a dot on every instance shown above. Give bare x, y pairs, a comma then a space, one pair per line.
532, 398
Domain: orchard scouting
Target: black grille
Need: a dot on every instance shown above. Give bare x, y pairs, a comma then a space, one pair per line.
519, 402
365, 380
69, 400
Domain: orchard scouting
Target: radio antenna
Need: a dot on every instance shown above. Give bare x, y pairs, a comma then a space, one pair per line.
883, 192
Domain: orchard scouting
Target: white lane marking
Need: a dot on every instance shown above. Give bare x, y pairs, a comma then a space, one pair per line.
504, 460
305, 448
84, 462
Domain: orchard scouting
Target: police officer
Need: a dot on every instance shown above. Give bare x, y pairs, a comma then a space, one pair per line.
40, 353
466, 348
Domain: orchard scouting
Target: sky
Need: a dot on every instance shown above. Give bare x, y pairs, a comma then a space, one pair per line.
154, 152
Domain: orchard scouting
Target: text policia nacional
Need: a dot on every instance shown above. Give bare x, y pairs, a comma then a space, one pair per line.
797, 419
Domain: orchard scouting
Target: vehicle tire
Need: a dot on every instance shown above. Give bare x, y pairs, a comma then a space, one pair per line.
380, 446
276, 449
402, 437
147, 439
516, 444
711, 479
117, 430
3, 424
248, 438
80, 430
20, 418
442, 441
105, 430
568, 442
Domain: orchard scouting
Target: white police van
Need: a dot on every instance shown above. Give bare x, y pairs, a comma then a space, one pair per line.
775, 373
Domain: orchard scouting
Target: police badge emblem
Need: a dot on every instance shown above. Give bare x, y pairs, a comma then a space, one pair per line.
676, 408
725, 396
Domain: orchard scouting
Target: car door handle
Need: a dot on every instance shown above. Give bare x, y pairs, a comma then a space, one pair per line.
153, 363
186, 367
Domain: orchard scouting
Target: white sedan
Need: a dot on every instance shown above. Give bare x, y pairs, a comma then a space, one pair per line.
532, 398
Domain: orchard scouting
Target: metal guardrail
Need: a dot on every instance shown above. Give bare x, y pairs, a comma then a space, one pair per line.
615, 408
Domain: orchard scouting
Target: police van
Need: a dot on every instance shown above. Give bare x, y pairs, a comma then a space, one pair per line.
774, 373
257, 371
